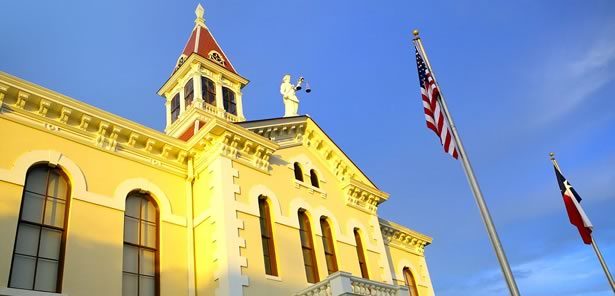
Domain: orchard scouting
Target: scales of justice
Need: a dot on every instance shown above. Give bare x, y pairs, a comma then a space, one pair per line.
289, 94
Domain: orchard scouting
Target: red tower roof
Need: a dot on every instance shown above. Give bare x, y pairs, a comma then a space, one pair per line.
203, 43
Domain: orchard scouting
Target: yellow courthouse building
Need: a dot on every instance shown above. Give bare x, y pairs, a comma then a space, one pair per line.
95, 204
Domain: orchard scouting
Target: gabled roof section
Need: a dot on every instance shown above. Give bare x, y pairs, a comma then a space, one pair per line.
303, 130
203, 43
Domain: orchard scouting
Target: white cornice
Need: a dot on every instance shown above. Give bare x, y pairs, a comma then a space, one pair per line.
54, 113
363, 197
403, 237
186, 67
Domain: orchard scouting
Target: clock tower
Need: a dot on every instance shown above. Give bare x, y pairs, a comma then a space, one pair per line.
204, 85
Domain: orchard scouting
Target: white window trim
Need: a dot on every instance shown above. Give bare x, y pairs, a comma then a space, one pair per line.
311, 189
273, 278
24, 292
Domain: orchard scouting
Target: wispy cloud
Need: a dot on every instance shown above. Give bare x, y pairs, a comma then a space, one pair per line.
561, 273
573, 73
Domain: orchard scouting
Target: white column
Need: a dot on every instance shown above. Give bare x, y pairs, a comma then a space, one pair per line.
239, 101
167, 106
198, 90
219, 103
182, 102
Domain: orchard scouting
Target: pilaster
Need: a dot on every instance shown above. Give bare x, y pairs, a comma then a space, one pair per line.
182, 101
228, 274
198, 89
239, 100
219, 99
167, 107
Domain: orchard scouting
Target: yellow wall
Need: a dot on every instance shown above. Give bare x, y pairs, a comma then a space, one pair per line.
218, 208
285, 198
93, 263
401, 258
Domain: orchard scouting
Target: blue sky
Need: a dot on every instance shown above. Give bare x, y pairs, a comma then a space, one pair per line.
522, 78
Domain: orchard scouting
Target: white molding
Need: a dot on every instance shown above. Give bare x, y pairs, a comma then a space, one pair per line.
79, 187
306, 164
164, 204
5, 291
416, 272
342, 234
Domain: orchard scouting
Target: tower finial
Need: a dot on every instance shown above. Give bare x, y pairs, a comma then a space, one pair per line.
199, 11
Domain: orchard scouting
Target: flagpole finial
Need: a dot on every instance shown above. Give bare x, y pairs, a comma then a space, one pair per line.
552, 155
415, 32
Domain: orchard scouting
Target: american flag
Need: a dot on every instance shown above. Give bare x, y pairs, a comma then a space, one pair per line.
433, 113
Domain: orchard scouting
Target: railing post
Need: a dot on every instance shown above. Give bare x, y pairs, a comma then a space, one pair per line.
340, 283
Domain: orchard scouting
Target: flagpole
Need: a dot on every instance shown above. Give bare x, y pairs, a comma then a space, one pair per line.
605, 268
478, 195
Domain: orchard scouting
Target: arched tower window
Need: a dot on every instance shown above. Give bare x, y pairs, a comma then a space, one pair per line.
410, 282
141, 256
271, 267
298, 172
189, 92
228, 98
209, 90
38, 255
314, 178
175, 108
361, 254
216, 57
307, 248
328, 245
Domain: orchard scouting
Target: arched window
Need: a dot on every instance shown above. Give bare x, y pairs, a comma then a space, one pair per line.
208, 91
361, 254
298, 172
228, 98
140, 263
188, 92
216, 57
175, 108
38, 256
327, 243
314, 178
307, 248
271, 267
410, 282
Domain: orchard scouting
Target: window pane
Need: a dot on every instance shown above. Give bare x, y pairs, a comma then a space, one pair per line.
307, 256
266, 247
131, 259
309, 273
148, 211
22, 273
37, 180
132, 206
148, 234
331, 265
32, 207
57, 187
129, 284
131, 230
54, 212
27, 239
148, 262
147, 286
51, 240
46, 275
305, 239
267, 265
264, 231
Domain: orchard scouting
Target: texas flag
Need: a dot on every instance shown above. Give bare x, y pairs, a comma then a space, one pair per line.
572, 200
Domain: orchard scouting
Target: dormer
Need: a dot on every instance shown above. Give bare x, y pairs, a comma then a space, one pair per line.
204, 84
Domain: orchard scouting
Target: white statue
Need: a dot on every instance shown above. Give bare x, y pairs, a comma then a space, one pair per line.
291, 102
